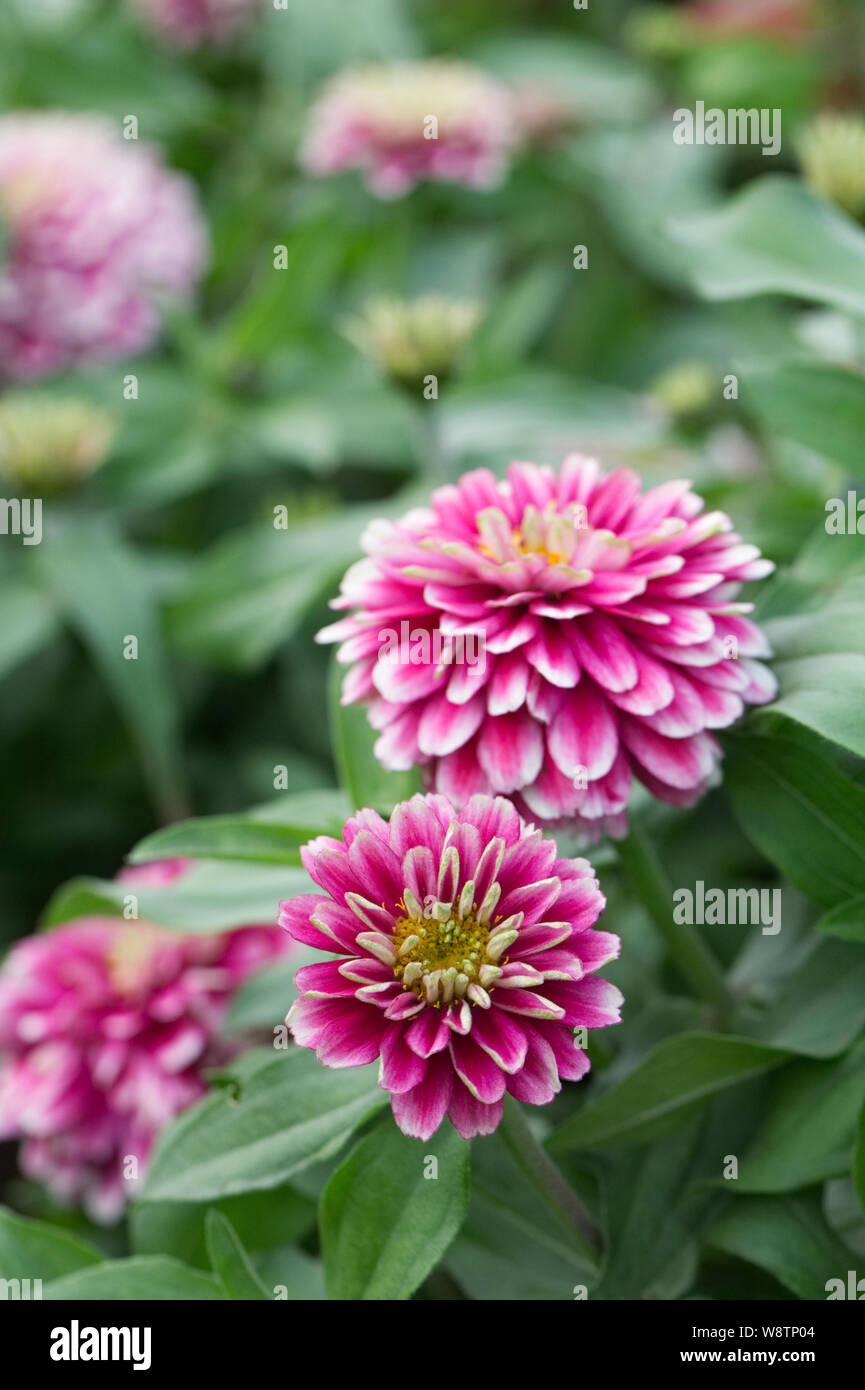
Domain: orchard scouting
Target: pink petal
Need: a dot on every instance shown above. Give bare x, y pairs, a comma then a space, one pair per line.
470, 1117
510, 749
604, 651
428, 1033
445, 727
476, 1069
508, 684
537, 1082
401, 1069
584, 734
420, 1111
502, 1037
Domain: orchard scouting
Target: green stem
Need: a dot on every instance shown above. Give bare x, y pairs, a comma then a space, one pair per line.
686, 950
536, 1163
429, 452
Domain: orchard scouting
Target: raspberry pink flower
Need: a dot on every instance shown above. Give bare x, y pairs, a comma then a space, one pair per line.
106, 1028
439, 120
468, 957
190, 23
96, 230
607, 640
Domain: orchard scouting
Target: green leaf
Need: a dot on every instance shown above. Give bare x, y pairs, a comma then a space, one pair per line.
822, 1008
272, 834
230, 1261
366, 782
775, 237
641, 179
801, 813
825, 694
261, 1219
97, 581
830, 628
846, 921
302, 41
385, 1221
35, 1250
251, 591
291, 1275
788, 1237
595, 83
810, 1126
651, 1213
666, 1090
284, 299
512, 1245
816, 404
264, 999
155, 1278
291, 1111
212, 896
28, 622
859, 1159
530, 412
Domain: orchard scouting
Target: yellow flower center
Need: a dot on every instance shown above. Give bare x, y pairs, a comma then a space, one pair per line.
130, 955
447, 953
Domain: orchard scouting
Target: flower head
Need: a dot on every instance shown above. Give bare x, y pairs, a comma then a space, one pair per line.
405, 122
832, 155
606, 619
106, 1028
96, 228
468, 957
409, 338
190, 23
48, 442
685, 388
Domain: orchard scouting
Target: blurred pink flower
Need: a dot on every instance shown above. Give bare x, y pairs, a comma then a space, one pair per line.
469, 957
611, 634
783, 19
97, 230
188, 23
106, 1028
402, 123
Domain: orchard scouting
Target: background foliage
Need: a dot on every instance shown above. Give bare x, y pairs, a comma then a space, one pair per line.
714, 260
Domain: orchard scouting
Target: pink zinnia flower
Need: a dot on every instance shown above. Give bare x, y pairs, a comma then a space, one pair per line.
96, 229
189, 23
606, 622
379, 119
468, 959
106, 1028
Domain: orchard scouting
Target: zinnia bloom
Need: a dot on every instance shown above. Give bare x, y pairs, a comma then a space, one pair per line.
467, 959
409, 338
608, 640
832, 156
189, 23
106, 1028
51, 442
96, 228
440, 120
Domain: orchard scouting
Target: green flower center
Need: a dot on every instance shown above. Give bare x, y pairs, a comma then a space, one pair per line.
446, 953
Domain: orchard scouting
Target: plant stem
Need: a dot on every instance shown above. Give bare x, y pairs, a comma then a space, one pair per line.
427, 434
536, 1163
685, 949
